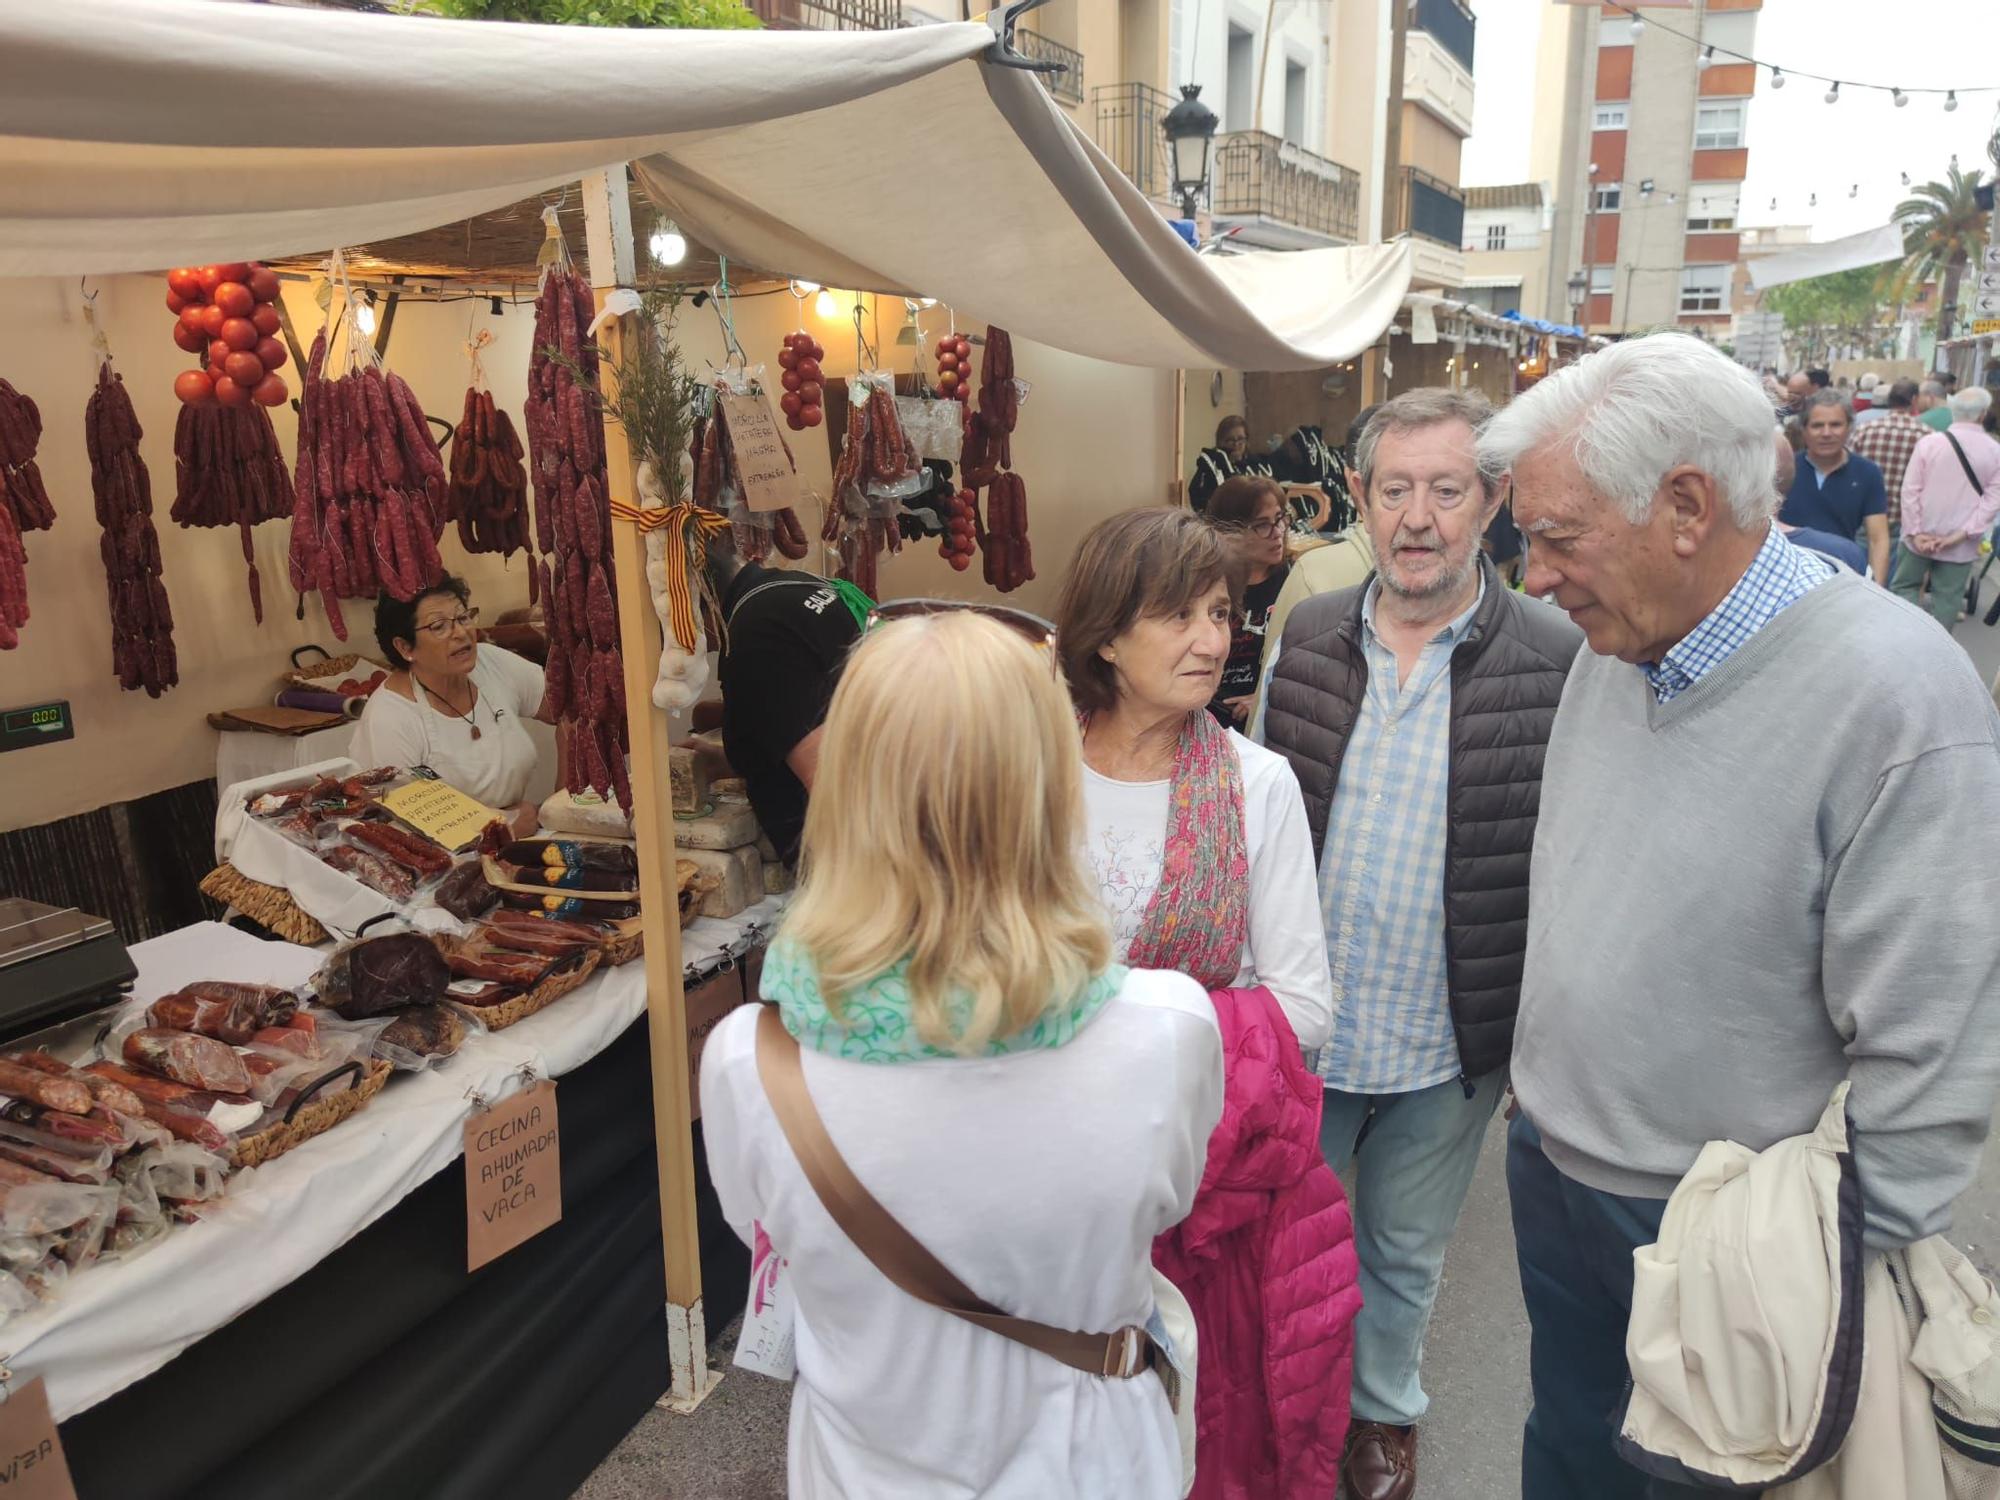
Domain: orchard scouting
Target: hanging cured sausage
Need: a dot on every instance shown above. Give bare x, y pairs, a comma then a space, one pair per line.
24, 506
585, 697
371, 495
142, 623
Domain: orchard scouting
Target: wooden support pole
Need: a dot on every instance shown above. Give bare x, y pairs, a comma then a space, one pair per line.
608, 228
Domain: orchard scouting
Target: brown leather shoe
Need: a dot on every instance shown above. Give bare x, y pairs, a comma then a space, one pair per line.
1381, 1462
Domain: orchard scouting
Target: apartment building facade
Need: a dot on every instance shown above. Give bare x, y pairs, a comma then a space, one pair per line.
1648, 147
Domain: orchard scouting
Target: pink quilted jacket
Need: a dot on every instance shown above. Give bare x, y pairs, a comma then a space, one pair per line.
1266, 1260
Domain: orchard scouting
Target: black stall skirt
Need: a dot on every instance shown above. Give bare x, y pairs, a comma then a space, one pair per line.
387, 1372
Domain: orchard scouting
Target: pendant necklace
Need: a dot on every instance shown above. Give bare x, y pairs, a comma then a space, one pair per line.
440, 698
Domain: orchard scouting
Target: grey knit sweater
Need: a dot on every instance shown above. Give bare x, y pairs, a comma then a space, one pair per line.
1761, 887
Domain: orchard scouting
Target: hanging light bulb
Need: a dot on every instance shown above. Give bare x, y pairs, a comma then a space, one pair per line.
1638, 25
1812, 200
826, 304
668, 244
1708, 53
1906, 179
1899, 97
1833, 94
1954, 161
1774, 205
1855, 191
1777, 78
1951, 101
364, 315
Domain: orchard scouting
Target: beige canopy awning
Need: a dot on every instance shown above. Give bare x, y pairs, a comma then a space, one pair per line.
139, 134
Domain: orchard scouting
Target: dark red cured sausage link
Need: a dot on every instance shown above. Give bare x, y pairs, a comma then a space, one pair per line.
409, 561
611, 667
383, 430
418, 448
575, 594
601, 609
590, 517
405, 848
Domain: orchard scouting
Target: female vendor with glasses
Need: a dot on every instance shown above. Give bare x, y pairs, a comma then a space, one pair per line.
453, 704
1251, 510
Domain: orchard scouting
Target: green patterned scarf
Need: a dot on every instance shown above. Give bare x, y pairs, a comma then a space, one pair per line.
875, 1024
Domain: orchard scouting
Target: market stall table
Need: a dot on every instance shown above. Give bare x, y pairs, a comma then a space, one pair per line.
376, 1190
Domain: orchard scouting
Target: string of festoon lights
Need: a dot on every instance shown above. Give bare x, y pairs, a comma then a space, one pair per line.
1780, 76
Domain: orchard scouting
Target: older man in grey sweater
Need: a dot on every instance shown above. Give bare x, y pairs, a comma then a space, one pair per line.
1748, 879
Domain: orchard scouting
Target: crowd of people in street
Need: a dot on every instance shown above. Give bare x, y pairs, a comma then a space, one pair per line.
1121, 938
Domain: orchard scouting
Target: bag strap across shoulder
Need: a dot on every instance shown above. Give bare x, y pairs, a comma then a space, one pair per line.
893, 1250
1964, 463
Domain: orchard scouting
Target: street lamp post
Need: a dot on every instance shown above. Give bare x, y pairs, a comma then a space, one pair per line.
1190, 129
1589, 247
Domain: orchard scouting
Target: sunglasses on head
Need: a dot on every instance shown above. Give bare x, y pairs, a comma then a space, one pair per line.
1033, 629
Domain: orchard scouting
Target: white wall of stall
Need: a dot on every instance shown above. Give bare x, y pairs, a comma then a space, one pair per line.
1094, 438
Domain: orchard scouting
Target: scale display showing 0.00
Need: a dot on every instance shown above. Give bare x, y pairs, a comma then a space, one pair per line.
38, 724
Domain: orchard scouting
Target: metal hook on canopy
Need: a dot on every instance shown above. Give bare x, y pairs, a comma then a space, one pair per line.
1002, 53
98, 340
722, 296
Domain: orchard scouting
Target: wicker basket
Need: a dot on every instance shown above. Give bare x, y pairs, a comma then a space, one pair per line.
541, 997
314, 1117
627, 942
330, 666
270, 906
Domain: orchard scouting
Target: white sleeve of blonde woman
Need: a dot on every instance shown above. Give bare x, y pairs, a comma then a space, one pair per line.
734, 1112
1287, 943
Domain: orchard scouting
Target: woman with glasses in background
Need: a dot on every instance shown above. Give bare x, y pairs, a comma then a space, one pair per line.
1250, 511
452, 703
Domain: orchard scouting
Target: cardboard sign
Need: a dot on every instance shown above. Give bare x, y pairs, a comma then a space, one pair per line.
440, 812
513, 1174
32, 1466
769, 481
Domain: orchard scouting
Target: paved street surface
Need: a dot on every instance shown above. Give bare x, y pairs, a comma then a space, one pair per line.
1476, 1366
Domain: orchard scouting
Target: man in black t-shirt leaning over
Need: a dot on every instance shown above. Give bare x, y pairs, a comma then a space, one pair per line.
788, 636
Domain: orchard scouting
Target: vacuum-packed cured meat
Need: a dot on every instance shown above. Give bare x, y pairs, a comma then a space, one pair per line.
200, 1062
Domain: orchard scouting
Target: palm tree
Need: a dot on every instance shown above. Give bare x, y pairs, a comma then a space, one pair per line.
1944, 230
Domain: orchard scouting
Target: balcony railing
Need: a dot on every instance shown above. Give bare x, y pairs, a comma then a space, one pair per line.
1451, 22
828, 15
1478, 239
1066, 85
1258, 174
1128, 131
1433, 208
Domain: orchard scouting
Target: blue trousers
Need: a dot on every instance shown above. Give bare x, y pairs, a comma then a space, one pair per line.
1414, 1157
1575, 1247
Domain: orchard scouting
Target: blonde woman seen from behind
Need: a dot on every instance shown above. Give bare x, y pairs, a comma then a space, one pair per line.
1031, 1112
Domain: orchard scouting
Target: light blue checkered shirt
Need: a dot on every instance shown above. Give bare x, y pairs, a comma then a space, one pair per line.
1381, 875
1779, 576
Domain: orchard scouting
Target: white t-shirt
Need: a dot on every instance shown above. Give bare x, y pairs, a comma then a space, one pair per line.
1285, 949
1040, 1178
496, 767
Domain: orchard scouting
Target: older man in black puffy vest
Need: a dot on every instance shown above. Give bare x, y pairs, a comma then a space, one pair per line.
1415, 710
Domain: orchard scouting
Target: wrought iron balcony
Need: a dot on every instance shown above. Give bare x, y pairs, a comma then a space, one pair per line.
1128, 131
1432, 208
1066, 85
1260, 175
828, 15
1451, 22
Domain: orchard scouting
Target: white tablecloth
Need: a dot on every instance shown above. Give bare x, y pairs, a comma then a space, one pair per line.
119, 1321
242, 755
